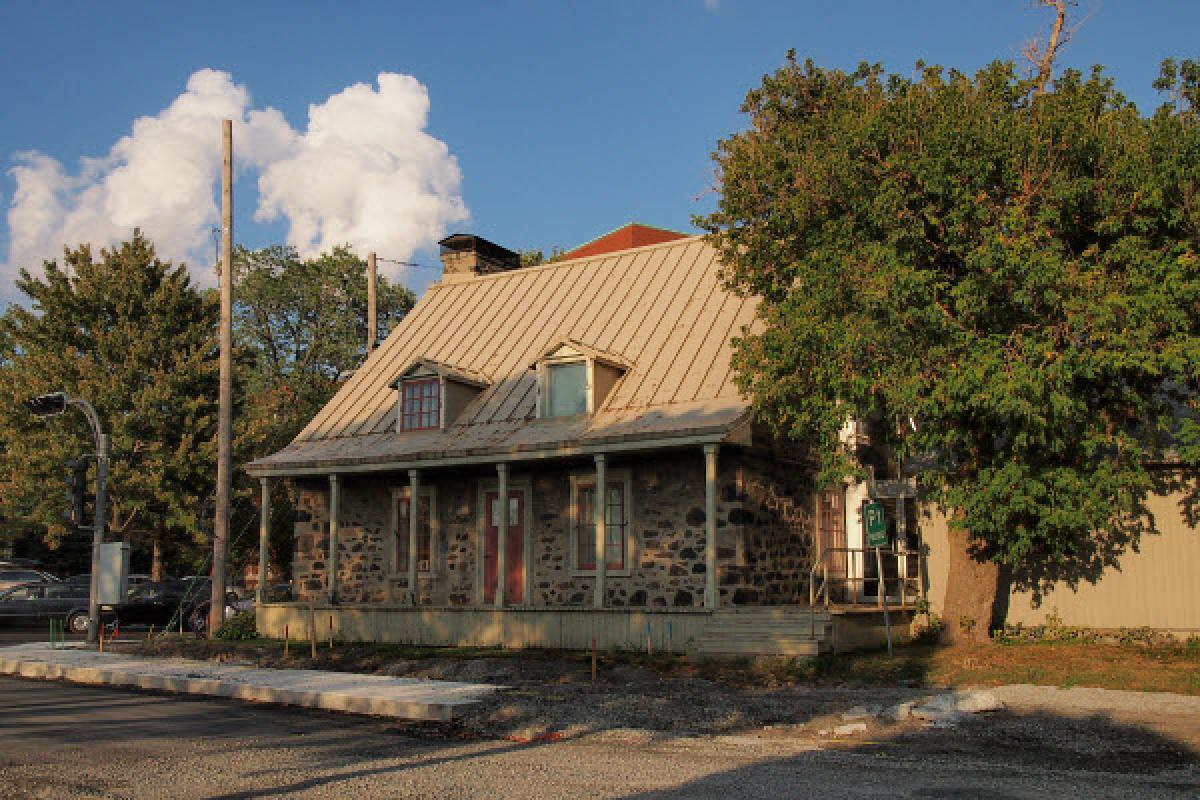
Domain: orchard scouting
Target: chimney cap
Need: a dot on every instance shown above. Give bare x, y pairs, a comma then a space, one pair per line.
469, 242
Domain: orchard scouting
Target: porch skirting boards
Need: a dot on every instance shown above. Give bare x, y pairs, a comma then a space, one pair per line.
515, 628
788, 631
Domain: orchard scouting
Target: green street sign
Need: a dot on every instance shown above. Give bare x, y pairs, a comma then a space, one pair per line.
876, 525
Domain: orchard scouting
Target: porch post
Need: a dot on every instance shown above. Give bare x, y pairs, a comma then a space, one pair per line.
710, 526
501, 535
335, 495
414, 485
264, 536
598, 509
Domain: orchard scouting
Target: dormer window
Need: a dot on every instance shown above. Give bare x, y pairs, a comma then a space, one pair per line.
431, 395
420, 404
575, 379
566, 389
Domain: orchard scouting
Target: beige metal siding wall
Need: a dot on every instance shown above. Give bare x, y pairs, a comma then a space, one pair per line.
1156, 587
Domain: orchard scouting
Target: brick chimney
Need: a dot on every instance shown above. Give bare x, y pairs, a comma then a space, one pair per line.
466, 256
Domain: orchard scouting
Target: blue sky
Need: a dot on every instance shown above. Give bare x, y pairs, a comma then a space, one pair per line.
566, 119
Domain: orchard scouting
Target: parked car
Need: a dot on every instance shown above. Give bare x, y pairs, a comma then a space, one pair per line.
11, 576
135, 580
166, 603
41, 602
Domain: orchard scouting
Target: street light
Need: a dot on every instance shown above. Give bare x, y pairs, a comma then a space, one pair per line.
51, 405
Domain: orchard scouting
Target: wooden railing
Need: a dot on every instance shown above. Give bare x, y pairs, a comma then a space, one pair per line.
905, 578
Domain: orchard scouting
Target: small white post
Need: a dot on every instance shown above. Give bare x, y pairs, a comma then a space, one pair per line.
710, 526
600, 517
331, 561
501, 535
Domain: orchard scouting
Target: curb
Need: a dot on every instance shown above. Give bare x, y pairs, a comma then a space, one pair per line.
326, 701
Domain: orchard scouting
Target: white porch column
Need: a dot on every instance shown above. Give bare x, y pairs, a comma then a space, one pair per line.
501, 535
331, 560
601, 518
710, 526
414, 485
264, 540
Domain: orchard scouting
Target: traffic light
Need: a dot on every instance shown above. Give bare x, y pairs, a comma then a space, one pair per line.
76, 490
48, 405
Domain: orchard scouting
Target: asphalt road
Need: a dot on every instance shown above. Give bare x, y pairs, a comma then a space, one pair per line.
60, 740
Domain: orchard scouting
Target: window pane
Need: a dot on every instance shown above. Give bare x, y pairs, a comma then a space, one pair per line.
585, 556
402, 534
567, 388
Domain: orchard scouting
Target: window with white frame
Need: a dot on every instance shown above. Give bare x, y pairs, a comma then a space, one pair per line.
617, 519
566, 389
426, 528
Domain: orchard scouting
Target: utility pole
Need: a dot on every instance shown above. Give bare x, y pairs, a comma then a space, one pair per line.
216, 613
372, 313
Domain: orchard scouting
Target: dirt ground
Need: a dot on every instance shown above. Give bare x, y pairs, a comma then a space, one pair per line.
550, 696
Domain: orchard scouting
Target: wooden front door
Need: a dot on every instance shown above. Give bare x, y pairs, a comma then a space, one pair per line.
514, 556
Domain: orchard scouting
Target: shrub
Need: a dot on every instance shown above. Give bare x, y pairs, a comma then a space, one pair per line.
240, 626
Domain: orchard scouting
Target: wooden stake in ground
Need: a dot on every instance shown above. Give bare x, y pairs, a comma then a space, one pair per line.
593, 661
312, 630
216, 614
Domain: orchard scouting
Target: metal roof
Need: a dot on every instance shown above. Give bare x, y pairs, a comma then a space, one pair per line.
661, 307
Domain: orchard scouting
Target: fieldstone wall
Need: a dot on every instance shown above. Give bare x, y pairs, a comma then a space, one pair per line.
309, 569
764, 534
770, 506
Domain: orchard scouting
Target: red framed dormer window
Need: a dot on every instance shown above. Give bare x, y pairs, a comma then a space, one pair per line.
420, 404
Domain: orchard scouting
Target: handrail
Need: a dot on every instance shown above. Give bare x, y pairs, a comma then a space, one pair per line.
902, 579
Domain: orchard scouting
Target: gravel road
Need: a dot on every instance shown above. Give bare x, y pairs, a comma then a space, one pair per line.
58, 740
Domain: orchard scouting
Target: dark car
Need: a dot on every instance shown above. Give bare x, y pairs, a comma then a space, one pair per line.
166, 604
41, 602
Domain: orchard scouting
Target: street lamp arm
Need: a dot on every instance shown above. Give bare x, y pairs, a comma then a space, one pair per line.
93, 418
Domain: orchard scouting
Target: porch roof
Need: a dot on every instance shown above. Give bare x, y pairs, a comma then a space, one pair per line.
710, 421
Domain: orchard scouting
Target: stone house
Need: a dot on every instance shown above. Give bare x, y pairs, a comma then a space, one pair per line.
558, 456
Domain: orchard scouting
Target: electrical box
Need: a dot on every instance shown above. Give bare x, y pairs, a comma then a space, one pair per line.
113, 582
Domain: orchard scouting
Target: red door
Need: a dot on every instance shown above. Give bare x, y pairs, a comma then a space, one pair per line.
514, 560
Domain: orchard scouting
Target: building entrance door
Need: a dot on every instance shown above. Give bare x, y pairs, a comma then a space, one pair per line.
514, 553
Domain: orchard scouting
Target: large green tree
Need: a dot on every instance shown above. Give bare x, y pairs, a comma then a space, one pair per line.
1006, 275
129, 333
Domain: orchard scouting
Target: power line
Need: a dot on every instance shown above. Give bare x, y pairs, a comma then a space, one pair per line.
404, 263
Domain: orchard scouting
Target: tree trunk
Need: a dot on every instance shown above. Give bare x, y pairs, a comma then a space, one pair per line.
976, 594
156, 559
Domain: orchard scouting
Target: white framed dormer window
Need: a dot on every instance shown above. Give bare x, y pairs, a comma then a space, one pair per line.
427, 530
618, 523
575, 379
430, 395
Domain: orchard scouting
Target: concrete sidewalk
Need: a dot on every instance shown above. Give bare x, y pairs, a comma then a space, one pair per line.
378, 695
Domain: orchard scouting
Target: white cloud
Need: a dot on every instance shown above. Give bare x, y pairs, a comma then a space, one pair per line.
364, 173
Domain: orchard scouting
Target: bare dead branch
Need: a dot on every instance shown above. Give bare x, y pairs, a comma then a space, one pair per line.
1041, 58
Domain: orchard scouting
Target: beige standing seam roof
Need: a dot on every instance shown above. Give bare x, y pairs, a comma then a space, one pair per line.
660, 308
